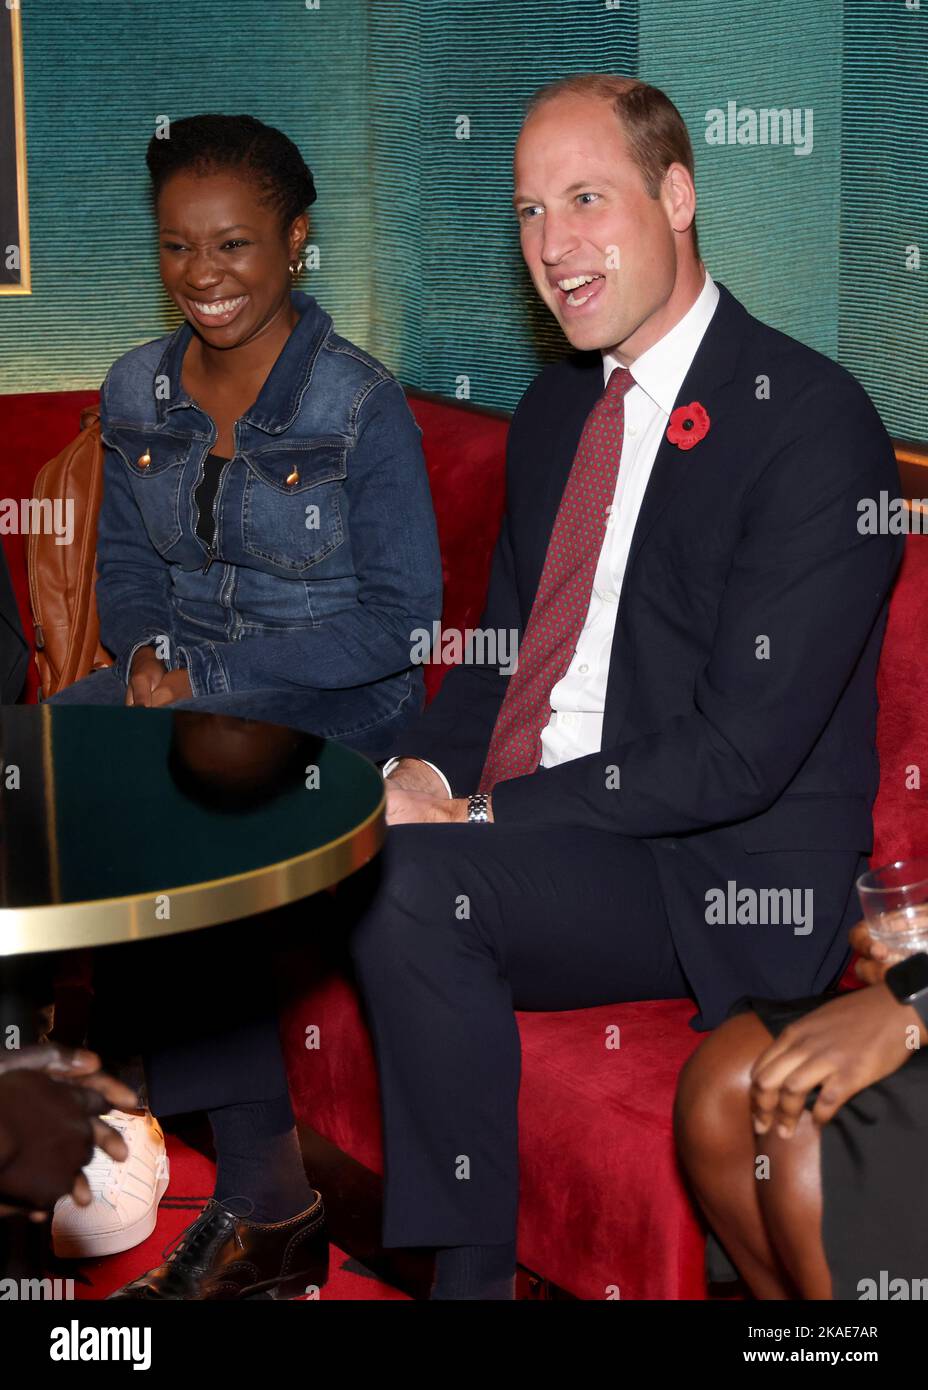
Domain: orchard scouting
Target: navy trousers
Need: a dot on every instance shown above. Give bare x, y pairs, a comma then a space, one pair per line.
451, 929
456, 927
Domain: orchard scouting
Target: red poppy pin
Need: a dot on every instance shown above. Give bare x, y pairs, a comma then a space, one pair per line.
688, 424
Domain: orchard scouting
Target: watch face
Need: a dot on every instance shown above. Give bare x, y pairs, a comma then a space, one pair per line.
909, 977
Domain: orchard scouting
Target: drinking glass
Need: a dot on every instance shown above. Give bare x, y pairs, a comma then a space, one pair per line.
894, 899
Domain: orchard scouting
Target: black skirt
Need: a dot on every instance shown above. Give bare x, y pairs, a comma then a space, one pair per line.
874, 1170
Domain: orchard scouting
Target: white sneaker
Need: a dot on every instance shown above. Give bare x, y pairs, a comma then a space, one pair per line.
125, 1195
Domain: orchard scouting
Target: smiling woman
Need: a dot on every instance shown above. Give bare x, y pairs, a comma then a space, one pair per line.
266, 540
266, 548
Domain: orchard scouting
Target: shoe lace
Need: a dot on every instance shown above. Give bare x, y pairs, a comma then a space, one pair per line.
103, 1173
195, 1242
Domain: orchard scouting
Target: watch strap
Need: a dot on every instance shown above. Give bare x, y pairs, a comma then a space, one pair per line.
908, 982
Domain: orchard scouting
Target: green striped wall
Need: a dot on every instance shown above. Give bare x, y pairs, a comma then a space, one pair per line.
452, 300
768, 218
883, 305
419, 246
97, 75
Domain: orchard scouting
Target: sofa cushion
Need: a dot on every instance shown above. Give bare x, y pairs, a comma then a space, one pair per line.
465, 453
900, 815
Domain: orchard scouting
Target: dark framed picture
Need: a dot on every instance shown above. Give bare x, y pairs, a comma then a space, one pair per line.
14, 202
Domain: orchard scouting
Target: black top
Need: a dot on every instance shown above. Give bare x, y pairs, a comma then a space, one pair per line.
205, 497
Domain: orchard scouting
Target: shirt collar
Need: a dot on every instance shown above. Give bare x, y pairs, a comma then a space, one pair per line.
661, 370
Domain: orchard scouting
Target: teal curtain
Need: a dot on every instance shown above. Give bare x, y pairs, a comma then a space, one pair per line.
408, 111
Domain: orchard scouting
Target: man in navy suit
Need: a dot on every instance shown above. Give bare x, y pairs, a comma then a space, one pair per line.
671, 796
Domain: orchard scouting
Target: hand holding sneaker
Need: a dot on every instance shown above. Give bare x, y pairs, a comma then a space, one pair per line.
49, 1100
125, 1192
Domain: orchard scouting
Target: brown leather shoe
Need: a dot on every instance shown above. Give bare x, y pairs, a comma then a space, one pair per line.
226, 1256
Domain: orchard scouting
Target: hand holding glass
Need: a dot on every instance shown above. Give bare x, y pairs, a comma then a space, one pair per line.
894, 899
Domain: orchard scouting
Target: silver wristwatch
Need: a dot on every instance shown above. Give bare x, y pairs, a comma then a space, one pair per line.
477, 813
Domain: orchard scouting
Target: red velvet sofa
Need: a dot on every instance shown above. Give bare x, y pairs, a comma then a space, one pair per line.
603, 1210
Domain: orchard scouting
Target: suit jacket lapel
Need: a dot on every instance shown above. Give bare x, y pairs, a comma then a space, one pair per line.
711, 368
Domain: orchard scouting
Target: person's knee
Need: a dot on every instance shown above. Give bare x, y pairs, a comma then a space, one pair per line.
712, 1105
394, 916
102, 687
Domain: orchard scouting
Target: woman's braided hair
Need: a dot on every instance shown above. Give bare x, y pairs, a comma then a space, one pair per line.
241, 144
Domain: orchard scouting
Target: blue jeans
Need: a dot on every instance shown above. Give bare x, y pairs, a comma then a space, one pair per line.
366, 718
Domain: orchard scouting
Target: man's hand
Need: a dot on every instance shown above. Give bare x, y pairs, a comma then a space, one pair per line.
50, 1098
405, 807
874, 961
417, 776
851, 1042
174, 686
145, 675
76, 1065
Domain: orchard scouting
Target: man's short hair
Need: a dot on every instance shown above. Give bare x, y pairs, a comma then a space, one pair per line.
656, 132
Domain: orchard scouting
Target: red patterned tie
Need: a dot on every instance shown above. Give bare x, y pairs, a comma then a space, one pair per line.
563, 598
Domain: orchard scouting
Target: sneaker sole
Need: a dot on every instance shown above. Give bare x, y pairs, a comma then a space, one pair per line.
90, 1247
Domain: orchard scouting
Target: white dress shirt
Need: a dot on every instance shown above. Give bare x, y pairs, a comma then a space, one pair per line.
579, 698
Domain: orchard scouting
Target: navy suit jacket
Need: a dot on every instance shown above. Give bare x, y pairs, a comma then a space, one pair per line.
741, 703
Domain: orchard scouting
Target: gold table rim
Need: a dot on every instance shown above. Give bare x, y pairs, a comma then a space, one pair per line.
209, 902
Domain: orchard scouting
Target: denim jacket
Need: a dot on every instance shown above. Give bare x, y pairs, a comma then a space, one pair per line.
318, 582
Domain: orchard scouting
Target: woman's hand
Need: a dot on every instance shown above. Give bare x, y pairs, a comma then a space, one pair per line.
874, 955
145, 675
174, 686
849, 1043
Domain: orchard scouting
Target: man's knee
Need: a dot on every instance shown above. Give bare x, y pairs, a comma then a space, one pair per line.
712, 1106
395, 913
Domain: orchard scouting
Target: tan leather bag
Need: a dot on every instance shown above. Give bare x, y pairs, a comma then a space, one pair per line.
62, 578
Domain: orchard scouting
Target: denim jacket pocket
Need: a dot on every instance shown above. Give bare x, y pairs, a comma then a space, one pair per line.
156, 483
294, 525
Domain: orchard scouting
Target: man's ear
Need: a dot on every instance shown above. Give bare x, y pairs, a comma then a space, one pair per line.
678, 193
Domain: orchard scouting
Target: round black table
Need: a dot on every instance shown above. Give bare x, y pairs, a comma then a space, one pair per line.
123, 824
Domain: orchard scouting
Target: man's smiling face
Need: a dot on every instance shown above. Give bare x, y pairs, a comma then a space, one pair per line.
583, 208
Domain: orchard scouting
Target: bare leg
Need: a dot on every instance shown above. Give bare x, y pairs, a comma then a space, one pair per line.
768, 1216
791, 1203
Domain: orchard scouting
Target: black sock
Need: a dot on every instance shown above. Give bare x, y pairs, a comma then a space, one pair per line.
258, 1160
475, 1272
